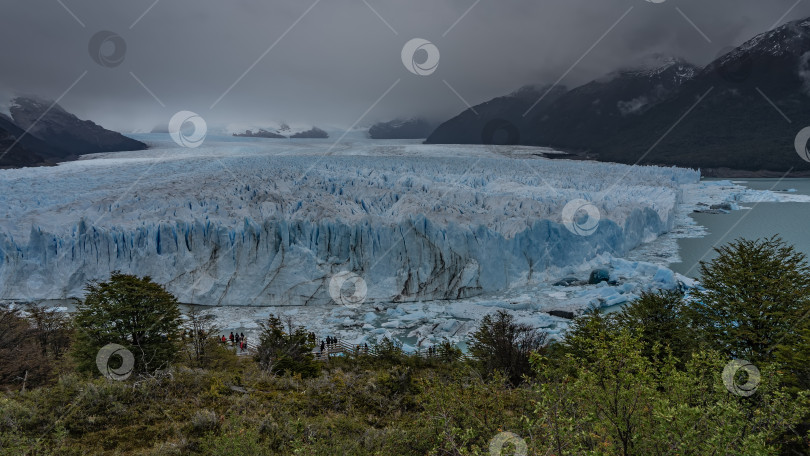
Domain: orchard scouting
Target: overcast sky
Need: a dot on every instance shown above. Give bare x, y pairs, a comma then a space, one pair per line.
332, 61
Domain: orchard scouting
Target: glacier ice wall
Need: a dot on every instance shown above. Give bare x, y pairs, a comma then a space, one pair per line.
416, 222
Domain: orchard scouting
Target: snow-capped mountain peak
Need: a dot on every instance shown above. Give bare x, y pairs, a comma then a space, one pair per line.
656, 65
277, 130
792, 38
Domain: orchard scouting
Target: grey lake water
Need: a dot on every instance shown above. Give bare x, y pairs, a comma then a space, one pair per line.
791, 221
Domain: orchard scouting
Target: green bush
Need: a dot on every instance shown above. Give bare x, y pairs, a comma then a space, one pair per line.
636, 382
500, 344
130, 311
286, 349
204, 421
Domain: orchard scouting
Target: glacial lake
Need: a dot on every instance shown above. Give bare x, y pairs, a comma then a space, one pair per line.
791, 221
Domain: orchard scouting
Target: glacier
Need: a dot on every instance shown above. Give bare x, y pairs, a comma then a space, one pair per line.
262, 223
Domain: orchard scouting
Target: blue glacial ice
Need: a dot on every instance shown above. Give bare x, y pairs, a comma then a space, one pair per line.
255, 224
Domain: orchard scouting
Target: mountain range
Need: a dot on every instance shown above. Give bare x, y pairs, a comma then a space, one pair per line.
284, 131
415, 128
739, 115
39, 132
502, 116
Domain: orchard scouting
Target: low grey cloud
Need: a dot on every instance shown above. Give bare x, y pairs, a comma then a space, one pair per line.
327, 62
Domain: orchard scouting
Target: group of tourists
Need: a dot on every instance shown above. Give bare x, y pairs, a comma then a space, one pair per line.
330, 342
237, 339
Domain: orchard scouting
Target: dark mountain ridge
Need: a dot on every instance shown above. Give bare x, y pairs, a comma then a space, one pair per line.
477, 125
588, 114
737, 116
35, 135
741, 112
66, 132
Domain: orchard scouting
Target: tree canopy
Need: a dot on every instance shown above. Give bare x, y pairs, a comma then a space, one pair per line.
133, 312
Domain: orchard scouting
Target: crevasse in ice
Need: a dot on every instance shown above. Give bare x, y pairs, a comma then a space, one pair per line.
269, 225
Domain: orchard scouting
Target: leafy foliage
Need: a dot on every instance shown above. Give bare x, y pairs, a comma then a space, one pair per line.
286, 348
22, 361
592, 326
756, 302
620, 402
661, 321
130, 311
202, 345
501, 344
636, 382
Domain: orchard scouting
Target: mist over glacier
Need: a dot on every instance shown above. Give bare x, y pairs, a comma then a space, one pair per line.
256, 222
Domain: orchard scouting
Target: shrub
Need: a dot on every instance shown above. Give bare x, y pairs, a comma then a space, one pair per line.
52, 329
286, 349
660, 320
389, 351
204, 421
200, 338
23, 361
502, 345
